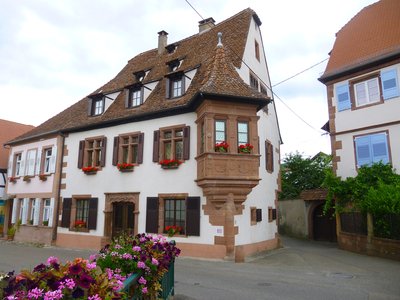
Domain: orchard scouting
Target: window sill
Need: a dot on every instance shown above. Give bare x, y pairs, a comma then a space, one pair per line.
79, 229
169, 167
90, 172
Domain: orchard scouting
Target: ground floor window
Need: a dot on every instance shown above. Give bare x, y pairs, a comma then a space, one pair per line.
78, 213
175, 214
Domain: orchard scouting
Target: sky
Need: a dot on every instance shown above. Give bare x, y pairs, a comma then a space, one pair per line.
54, 53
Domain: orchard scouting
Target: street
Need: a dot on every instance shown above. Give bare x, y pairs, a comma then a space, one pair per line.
299, 270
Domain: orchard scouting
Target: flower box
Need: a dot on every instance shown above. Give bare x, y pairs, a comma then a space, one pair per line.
246, 148
42, 177
172, 230
12, 179
90, 170
170, 163
125, 167
27, 178
221, 147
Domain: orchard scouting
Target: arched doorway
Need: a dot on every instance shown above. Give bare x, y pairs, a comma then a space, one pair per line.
324, 225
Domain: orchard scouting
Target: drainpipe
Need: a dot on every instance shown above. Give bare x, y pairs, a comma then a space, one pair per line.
57, 203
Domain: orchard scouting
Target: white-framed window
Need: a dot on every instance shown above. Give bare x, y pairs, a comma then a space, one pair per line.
220, 131
367, 92
46, 212
136, 98
48, 152
243, 133
98, 106
176, 87
18, 164
33, 208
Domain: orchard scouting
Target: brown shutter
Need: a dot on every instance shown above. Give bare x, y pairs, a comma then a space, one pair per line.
66, 212
183, 84
140, 148
81, 154
152, 215
193, 216
127, 95
103, 151
115, 151
92, 218
156, 146
258, 215
186, 142
167, 88
90, 106
271, 157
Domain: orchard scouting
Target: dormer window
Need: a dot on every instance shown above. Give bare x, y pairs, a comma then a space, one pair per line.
96, 106
140, 75
175, 85
135, 96
171, 48
174, 65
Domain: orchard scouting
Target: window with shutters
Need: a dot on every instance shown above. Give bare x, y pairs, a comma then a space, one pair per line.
47, 159
269, 156
135, 97
271, 214
80, 213
372, 148
46, 211
92, 152
128, 148
17, 168
175, 85
30, 162
32, 207
366, 91
173, 209
96, 106
172, 143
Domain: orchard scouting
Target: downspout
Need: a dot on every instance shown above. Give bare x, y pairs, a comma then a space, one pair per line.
57, 203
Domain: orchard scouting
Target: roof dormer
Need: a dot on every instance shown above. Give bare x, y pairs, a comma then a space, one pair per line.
98, 103
174, 65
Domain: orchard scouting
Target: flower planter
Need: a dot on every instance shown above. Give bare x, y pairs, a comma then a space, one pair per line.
221, 150
42, 177
90, 172
126, 170
169, 167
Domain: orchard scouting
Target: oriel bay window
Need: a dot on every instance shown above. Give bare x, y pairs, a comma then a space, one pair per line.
171, 143
92, 152
243, 133
128, 148
173, 210
220, 131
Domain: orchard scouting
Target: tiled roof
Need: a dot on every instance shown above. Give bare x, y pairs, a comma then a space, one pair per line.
216, 74
371, 35
8, 131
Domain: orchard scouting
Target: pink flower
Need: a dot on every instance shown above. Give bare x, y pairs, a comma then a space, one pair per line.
53, 295
35, 293
136, 248
126, 256
70, 283
144, 290
92, 257
141, 265
142, 280
94, 297
91, 266
154, 261
52, 260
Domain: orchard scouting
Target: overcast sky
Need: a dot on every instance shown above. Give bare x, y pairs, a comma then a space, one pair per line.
54, 53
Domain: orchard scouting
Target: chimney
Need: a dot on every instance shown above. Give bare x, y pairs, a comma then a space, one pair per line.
162, 41
206, 24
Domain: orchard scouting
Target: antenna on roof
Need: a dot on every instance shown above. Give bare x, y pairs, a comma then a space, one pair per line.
219, 39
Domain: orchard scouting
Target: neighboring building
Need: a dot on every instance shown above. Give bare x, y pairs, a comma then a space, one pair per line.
362, 79
8, 130
175, 102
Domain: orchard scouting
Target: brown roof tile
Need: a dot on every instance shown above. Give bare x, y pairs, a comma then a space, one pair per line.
8, 131
216, 74
370, 35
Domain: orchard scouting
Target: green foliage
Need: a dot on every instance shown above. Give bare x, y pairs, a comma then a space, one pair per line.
299, 174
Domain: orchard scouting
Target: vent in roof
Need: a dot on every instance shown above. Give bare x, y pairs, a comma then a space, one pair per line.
206, 24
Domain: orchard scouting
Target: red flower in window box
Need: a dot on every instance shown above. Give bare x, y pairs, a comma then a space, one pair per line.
12, 179
90, 170
125, 166
246, 148
221, 147
170, 163
80, 224
172, 230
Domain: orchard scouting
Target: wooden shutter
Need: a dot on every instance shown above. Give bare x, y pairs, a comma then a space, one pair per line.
37, 211
183, 79
379, 148
127, 95
269, 156
103, 151
92, 219
140, 148
53, 159
81, 153
115, 151
51, 212
141, 95
156, 146
363, 150
38, 162
193, 216
90, 106
186, 142
152, 215
390, 84
258, 215
274, 214
167, 88
66, 212
10, 165
343, 97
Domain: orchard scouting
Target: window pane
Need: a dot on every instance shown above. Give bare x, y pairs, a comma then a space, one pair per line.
220, 125
134, 153
373, 90
361, 95
219, 131
167, 150
379, 149
125, 154
167, 134
177, 88
179, 150
363, 151
178, 133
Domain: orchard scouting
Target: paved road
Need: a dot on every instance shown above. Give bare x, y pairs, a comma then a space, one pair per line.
299, 270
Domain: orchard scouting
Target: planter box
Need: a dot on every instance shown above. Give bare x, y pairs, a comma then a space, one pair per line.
126, 170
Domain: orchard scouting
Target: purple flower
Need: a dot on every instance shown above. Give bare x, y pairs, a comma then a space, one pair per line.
91, 266
52, 260
136, 248
126, 256
154, 261
39, 268
141, 265
94, 297
53, 295
75, 269
144, 290
35, 293
142, 280
85, 281
69, 283
78, 293
93, 257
